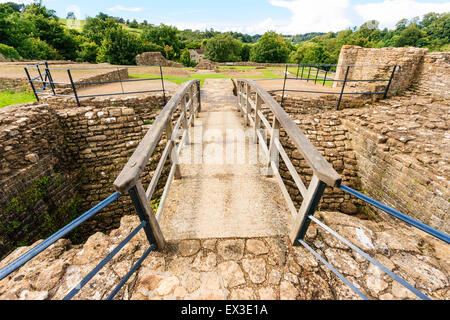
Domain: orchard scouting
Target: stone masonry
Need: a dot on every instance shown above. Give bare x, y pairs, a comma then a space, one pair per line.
53, 157
238, 268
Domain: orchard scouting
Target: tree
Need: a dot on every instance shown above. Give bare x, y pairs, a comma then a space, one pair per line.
164, 35
245, 52
411, 37
401, 25
223, 48
95, 29
71, 15
16, 7
271, 48
119, 47
310, 52
88, 51
186, 58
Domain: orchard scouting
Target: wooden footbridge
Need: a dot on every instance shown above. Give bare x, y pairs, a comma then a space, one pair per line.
224, 180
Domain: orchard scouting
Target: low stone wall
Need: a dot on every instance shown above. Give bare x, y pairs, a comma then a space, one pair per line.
155, 59
252, 64
115, 75
58, 160
434, 75
16, 85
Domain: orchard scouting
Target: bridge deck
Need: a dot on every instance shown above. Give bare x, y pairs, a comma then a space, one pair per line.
222, 196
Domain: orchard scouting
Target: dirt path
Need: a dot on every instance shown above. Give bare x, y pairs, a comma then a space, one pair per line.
222, 195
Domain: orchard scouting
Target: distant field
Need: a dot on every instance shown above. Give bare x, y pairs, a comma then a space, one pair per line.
8, 98
265, 74
79, 24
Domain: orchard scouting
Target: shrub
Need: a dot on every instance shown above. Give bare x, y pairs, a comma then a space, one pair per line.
9, 52
35, 48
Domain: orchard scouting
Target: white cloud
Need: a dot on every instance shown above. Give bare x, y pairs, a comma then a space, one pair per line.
128, 9
320, 16
389, 12
336, 15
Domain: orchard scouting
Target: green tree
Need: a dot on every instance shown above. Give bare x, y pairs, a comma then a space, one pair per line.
119, 47
310, 52
186, 59
87, 52
271, 48
223, 48
95, 29
163, 36
245, 52
411, 36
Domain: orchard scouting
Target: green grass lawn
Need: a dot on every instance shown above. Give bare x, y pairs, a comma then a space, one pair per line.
266, 74
202, 77
8, 98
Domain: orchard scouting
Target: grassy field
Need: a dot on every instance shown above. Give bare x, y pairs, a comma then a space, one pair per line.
265, 74
79, 24
8, 98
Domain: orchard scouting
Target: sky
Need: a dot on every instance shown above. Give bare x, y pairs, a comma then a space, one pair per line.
254, 16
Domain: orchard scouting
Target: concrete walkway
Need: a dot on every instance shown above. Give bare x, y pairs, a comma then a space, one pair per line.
221, 194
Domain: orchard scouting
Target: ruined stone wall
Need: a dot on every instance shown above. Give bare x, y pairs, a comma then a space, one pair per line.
318, 120
434, 75
57, 161
396, 182
393, 151
36, 186
16, 85
408, 59
155, 59
252, 64
115, 75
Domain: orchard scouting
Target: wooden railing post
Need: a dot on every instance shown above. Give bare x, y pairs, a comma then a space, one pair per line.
247, 97
257, 125
309, 206
192, 107
173, 150
145, 212
274, 154
185, 119
198, 98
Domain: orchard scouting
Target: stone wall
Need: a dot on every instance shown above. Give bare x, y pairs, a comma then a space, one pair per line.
252, 64
155, 59
319, 121
393, 151
427, 72
16, 85
434, 75
58, 160
378, 64
36, 185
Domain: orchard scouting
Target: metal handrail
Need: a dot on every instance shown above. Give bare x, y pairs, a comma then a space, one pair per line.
397, 214
33, 252
73, 84
410, 221
188, 96
16, 264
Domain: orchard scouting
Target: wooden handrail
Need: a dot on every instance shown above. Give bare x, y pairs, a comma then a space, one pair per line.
321, 167
131, 173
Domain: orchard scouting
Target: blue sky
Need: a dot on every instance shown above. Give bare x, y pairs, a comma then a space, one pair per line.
255, 16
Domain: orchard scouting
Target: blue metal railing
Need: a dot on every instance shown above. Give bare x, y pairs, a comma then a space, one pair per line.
410, 221
419, 225
19, 262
